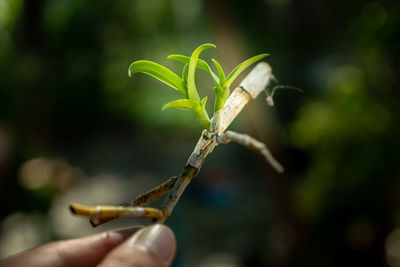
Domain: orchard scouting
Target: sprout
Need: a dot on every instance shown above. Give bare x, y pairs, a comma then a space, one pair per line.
186, 85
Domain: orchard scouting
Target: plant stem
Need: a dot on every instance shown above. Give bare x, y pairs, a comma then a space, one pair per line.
202, 116
250, 87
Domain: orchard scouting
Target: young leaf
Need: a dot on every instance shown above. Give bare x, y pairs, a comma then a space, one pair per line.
182, 104
218, 103
185, 73
192, 91
202, 115
198, 109
203, 102
220, 72
201, 64
241, 67
221, 95
159, 72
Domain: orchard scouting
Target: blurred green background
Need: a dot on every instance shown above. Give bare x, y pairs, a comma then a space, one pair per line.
75, 128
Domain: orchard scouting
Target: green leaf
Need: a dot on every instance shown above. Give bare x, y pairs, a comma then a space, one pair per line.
221, 92
241, 67
159, 72
182, 104
220, 72
192, 91
201, 64
219, 103
203, 102
198, 109
221, 95
185, 73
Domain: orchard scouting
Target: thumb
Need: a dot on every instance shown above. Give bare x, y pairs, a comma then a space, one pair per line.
151, 246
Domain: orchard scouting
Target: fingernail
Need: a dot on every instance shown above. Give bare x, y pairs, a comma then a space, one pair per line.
158, 239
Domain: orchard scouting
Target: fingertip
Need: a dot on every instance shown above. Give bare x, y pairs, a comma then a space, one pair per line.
151, 246
158, 239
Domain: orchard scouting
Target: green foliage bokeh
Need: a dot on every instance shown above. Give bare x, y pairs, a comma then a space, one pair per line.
63, 83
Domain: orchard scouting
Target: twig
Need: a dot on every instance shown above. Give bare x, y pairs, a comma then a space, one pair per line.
251, 143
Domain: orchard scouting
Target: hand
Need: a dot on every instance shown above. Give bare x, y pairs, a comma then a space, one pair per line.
150, 246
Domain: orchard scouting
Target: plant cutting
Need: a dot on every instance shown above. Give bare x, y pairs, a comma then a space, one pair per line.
226, 107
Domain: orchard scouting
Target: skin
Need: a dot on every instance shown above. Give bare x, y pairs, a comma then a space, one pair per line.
150, 246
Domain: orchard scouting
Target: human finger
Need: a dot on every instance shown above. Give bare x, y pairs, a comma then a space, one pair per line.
86, 251
153, 246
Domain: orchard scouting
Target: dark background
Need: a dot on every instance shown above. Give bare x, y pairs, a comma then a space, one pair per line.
75, 128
